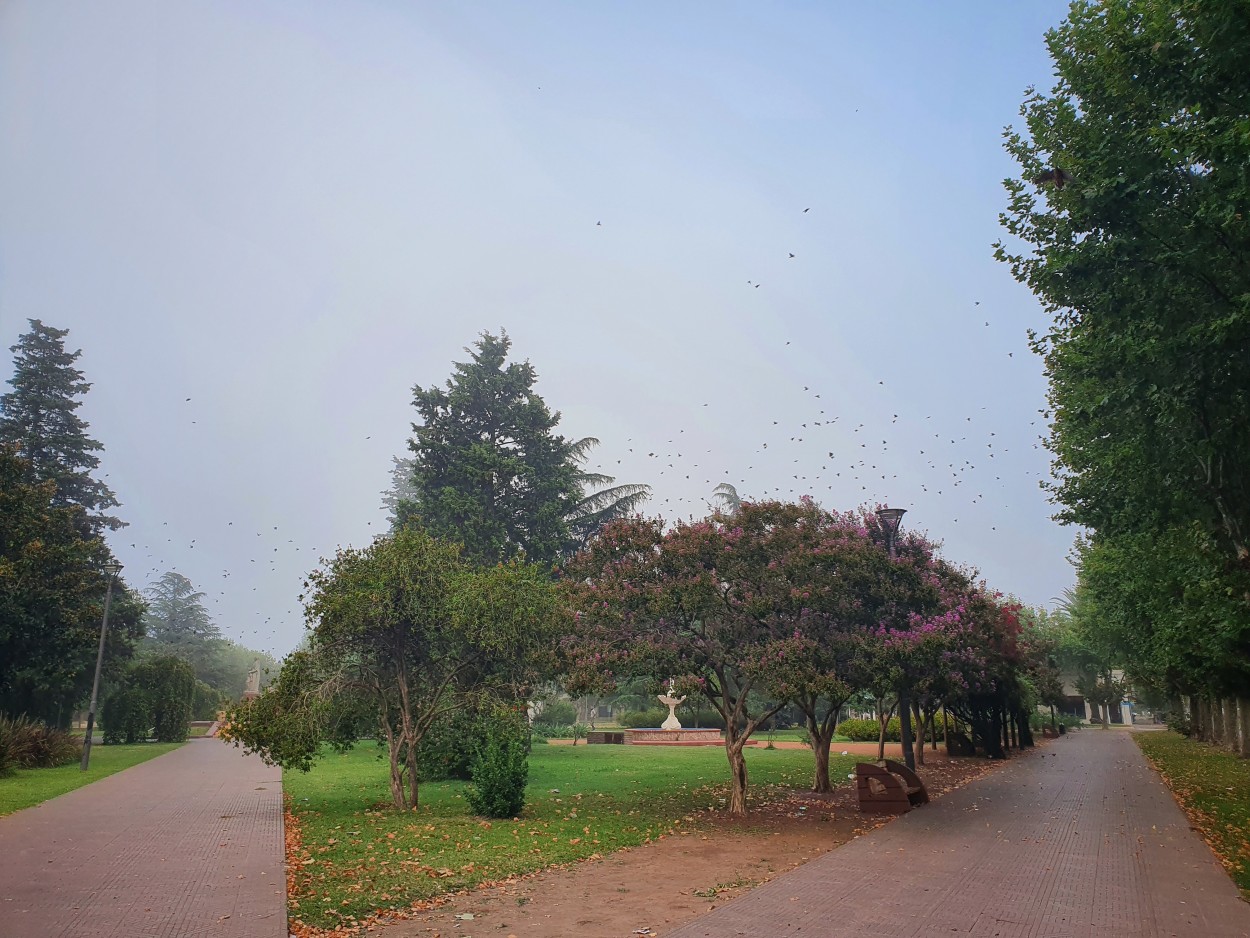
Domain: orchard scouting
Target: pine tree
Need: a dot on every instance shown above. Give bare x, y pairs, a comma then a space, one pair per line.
52, 593
39, 416
176, 623
489, 470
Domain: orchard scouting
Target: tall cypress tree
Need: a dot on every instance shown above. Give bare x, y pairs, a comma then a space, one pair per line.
38, 415
489, 470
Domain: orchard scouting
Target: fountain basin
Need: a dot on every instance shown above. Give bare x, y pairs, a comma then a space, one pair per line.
647, 736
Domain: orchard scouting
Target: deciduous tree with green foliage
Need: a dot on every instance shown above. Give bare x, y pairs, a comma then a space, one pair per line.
404, 633
1131, 223
40, 416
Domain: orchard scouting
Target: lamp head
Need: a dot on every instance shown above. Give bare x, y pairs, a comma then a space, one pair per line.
112, 568
890, 519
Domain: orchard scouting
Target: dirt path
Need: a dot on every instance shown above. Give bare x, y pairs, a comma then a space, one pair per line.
670, 881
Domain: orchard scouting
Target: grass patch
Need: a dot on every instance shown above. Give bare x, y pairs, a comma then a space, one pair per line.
359, 855
1213, 786
30, 787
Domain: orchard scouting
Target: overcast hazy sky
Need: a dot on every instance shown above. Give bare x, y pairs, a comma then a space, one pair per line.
291, 213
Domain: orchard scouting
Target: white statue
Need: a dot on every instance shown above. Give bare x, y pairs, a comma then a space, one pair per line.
671, 723
253, 679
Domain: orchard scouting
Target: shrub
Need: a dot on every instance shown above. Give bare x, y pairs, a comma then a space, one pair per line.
707, 719
206, 702
869, 731
557, 713
1179, 722
500, 773
448, 747
126, 716
547, 731
30, 744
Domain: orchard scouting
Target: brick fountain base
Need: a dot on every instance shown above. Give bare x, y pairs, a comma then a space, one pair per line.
682, 737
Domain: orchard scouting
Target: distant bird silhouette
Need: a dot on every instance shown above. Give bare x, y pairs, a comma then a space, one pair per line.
1053, 176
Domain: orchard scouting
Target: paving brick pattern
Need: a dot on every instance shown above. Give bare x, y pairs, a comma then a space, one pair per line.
1080, 840
186, 845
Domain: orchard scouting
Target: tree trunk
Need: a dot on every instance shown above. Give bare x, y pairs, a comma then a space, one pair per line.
1243, 727
1195, 717
412, 775
738, 774
918, 742
397, 779
904, 725
821, 737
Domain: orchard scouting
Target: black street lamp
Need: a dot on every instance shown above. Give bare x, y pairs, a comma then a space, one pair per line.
890, 519
112, 568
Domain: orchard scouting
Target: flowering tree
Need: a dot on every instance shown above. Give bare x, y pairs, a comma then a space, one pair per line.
704, 602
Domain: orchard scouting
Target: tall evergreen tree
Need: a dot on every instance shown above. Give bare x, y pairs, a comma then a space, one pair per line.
176, 623
38, 415
51, 599
489, 470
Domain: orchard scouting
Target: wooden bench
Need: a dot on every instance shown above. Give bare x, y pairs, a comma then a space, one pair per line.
888, 787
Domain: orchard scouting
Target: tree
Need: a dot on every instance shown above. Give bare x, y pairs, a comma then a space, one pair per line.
52, 590
403, 633
176, 621
1132, 212
489, 471
156, 695
39, 416
696, 602
595, 506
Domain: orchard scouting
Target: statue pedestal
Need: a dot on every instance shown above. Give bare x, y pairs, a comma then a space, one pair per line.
250, 695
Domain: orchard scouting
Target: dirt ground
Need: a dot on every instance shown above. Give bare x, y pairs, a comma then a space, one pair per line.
651, 889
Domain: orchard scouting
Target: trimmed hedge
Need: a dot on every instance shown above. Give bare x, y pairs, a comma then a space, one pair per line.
869, 731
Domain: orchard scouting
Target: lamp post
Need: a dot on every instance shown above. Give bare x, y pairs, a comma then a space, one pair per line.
112, 568
890, 519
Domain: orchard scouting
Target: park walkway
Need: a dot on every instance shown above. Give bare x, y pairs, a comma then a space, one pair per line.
1079, 840
185, 845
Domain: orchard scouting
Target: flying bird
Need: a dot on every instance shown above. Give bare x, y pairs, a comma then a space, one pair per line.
1055, 175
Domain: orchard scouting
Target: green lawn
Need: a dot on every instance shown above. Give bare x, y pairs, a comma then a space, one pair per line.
33, 786
359, 855
1213, 786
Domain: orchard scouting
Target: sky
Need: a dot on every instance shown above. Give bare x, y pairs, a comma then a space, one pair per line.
739, 242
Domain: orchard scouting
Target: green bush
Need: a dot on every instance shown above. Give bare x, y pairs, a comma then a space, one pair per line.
206, 702
557, 713
547, 731
169, 685
648, 718
126, 716
869, 731
500, 773
31, 744
447, 749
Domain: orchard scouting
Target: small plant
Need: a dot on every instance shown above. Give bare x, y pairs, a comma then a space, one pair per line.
500, 773
579, 732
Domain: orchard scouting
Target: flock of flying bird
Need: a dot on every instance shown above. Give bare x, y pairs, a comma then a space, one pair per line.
821, 456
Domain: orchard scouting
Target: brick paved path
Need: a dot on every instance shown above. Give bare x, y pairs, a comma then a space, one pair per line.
1081, 840
186, 844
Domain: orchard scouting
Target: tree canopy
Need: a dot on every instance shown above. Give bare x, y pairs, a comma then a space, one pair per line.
489, 470
52, 592
786, 602
40, 416
404, 633
1129, 223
